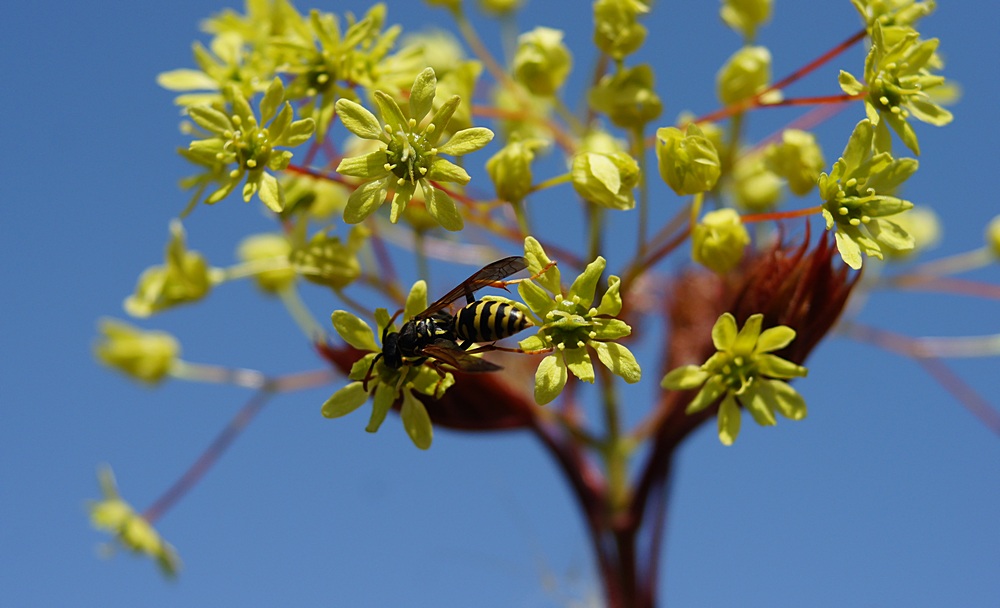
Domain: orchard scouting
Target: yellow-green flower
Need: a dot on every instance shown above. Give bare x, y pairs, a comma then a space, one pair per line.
129, 529
325, 260
147, 356
688, 161
408, 154
798, 159
858, 195
718, 240
326, 63
269, 249
510, 168
743, 372
617, 31
571, 327
185, 277
233, 137
993, 236
606, 179
745, 74
898, 76
542, 62
387, 385
745, 16
627, 97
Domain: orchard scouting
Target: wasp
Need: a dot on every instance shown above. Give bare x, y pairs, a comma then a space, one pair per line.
437, 334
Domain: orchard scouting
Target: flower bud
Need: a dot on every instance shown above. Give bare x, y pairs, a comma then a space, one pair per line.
510, 169
452, 5
993, 236
718, 240
688, 161
606, 179
616, 29
747, 73
798, 159
542, 62
920, 223
745, 15
264, 248
500, 7
627, 97
757, 188
184, 278
146, 356
326, 261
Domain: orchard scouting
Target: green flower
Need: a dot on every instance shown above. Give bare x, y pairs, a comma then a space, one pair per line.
858, 195
993, 236
129, 529
407, 155
510, 169
745, 74
923, 225
798, 159
326, 63
688, 161
326, 261
606, 179
233, 137
899, 77
269, 249
627, 97
569, 326
617, 31
387, 386
745, 16
718, 240
185, 277
500, 7
542, 62
756, 187
228, 62
147, 356
743, 373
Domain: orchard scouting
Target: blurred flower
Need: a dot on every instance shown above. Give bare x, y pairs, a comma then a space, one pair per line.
745, 16
718, 240
185, 277
129, 529
147, 356
542, 62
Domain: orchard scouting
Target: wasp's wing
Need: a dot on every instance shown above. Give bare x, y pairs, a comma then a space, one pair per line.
496, 271
450, 353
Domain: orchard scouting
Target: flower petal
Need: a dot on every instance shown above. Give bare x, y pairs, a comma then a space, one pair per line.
422, 94
729, 421
358, 119
466, 141
345, 401
364, 201
774, 338
353, 330
550, 378
684, 378
724, 332
416, 421
619, 360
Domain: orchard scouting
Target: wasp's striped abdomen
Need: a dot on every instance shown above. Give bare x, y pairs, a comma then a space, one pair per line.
489, 321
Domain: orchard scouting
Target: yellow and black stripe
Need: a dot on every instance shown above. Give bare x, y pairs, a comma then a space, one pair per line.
488, 321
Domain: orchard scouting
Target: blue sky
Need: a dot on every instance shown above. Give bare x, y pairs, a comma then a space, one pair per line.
887, 494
